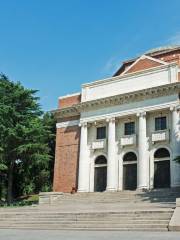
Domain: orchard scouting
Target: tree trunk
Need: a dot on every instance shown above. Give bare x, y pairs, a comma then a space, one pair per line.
10, 183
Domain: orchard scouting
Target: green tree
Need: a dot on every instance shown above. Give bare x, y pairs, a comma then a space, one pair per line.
177, 159
49, 123
37, 176
23, 144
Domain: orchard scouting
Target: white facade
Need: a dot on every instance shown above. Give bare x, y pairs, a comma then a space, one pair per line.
143, 111
157, 76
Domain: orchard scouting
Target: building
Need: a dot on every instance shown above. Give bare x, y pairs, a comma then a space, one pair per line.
122, 132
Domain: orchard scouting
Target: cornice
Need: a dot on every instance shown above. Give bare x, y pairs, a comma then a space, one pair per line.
135, 96
66, 112
67, 124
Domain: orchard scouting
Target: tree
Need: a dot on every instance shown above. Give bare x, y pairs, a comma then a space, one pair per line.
177, 159
33, 177
22, 133
49, 122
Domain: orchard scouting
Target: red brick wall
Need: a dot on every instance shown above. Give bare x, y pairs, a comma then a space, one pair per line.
173, 56
69, 101
67, 150
66, 161
143, 64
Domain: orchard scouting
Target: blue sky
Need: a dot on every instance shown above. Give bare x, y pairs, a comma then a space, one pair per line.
56, 45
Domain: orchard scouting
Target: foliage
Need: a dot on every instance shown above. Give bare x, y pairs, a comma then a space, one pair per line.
26, 141
177, 159
22, 201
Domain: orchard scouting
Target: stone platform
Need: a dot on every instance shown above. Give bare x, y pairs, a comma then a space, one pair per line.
127, 210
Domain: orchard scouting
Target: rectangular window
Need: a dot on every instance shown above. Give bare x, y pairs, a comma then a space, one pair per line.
101, 132
129, 128
160, 123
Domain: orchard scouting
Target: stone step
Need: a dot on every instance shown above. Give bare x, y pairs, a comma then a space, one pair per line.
81, 222
93, 214
149, 218
162, 199
120, 195
89, 214
124, 211
151, 214
137, 197
86, 225
165, 229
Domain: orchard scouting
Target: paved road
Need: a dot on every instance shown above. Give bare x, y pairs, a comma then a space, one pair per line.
85, 235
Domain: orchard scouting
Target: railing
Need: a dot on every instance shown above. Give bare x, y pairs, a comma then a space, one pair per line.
98, 144
160, 136
128, 140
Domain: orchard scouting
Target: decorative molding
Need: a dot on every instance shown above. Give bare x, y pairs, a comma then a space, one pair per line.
141, 114
126, 113
172, 108
177, 108
125, 98
110, 119
140, 95
67, 124
83, 124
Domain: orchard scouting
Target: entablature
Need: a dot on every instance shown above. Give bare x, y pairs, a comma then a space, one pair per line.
136, 96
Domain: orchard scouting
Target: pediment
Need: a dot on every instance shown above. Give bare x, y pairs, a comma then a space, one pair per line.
143, 63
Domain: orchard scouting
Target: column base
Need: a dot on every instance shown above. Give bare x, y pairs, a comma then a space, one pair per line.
111, 190
143, 188
82, 191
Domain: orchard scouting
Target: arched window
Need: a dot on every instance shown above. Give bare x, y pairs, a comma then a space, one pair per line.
101, 160
162, 153
130, 156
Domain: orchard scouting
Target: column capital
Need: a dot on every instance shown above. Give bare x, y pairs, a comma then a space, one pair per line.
172, 108
83, 124
175, 108
110, 119
141, 114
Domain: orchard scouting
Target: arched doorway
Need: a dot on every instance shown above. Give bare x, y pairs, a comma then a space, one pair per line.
100, 174
130, 171
162, 168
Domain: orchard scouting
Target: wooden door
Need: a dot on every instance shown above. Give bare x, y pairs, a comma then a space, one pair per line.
100, 179
130, 176
162, 174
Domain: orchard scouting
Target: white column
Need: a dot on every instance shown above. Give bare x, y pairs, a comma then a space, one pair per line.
83, 179
175, 145
111, 167
143, 154
175, 132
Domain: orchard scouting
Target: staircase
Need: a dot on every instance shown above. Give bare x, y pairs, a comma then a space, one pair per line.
126, 210
158, 196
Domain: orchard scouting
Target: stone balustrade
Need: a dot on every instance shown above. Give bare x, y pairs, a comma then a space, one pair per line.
98, 144
128, 140
160, 136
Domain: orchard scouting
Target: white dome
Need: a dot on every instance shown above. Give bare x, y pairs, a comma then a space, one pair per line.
162, 49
